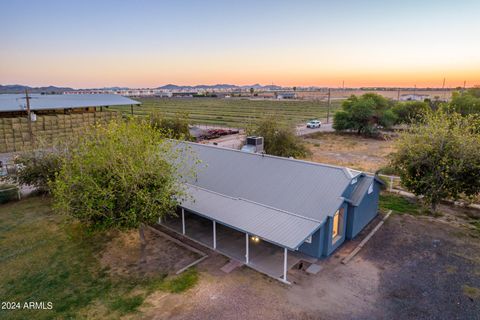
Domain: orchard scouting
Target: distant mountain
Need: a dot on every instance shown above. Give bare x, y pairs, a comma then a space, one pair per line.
17, 88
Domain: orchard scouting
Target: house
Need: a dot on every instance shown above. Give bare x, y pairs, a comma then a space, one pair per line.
286, 95
271, 212
414, 97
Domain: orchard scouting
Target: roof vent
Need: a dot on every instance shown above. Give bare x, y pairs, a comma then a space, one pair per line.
254, 145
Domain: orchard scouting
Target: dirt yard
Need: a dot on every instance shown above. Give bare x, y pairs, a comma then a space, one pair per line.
122, 255
349, 150
413, 268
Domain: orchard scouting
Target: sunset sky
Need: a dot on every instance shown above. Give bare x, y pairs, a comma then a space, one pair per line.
151, 43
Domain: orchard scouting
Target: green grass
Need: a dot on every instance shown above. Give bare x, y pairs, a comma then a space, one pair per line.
233, 112
183, 282
43, 257
399, 204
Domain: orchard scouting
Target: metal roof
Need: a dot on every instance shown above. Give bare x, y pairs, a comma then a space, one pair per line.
279, 199
17, 102
308, 189
279, 227
361, 189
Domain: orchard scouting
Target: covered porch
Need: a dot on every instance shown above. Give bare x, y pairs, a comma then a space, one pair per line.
255, 252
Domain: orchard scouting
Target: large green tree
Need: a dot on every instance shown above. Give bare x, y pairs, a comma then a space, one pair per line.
439, 157
364, 114
279, 140
122, 175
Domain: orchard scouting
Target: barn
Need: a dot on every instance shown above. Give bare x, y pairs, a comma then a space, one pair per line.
49, 117
271, 212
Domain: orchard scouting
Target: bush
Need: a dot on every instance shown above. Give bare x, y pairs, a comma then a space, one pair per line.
37, 168
8, 192
175, 127
120, 175
279, 140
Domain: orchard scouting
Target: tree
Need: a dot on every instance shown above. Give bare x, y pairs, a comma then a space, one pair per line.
364, 114
175, 127
252, 91
467, 102
439, 157
279, 140
121, 176
409, 111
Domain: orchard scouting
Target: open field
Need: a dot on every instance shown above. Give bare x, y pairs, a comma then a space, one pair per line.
233, 112
349, 150
414, 267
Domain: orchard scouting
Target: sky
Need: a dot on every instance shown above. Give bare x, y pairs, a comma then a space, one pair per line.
103, 43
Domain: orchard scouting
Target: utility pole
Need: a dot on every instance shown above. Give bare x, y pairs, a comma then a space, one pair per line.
328, 107
29, 116
443, 89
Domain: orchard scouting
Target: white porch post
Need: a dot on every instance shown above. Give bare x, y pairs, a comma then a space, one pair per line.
246, 248
214, 235
285, 252
183, 221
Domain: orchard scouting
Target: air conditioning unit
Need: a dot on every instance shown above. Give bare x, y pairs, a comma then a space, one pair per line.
254, 145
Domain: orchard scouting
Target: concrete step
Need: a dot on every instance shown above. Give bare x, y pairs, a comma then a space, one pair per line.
231, 265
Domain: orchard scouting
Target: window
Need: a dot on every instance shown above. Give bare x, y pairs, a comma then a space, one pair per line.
308, 240
370, 189
337, 223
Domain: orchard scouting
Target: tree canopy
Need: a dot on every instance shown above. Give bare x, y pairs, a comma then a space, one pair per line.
121, 175
439, 157
364, 114
467, 102
175, 127
279, 140
410, 111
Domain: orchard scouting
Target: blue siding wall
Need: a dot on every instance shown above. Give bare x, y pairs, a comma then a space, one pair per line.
329, 246
362, 214
315, 248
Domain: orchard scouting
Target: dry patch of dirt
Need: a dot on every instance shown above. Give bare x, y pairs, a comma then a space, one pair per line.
122, 255
350, 150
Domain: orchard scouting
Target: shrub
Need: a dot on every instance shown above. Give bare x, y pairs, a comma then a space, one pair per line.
8, 192
279, 140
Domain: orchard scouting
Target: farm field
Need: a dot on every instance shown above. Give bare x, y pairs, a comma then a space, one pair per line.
233, 112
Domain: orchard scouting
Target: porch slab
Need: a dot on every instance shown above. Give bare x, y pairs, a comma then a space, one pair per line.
264, 257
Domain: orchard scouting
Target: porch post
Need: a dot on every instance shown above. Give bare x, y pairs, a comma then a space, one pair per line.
246, 248
183, 221
285, 252
214, 235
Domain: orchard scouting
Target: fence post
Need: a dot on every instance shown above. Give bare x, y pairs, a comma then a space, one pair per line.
391, 183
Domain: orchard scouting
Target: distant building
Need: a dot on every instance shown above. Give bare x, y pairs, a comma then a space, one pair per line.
414, 97
286, 95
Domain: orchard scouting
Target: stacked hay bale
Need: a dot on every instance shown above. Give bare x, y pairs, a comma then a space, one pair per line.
15, 133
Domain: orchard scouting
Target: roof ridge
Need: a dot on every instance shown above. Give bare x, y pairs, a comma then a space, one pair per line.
257, 203
319, 164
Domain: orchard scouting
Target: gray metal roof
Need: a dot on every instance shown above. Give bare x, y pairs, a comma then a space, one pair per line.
308, 189
274, 225
17, 102
361, 189
293, 190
